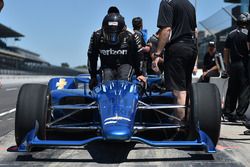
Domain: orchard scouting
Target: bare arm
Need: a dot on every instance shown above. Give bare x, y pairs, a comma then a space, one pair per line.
195, 69
226, 56
196, 38
213, 68
164, 38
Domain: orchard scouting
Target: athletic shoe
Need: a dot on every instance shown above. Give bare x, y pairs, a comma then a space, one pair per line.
247, 132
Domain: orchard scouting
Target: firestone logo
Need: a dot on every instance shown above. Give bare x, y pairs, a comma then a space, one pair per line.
113, 52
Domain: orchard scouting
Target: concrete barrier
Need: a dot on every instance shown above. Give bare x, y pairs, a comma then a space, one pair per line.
21, 79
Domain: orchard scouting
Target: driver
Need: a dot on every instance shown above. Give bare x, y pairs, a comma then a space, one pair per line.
117, 50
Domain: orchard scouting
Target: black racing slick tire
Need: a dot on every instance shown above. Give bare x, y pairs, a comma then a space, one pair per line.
31, 107
206, 109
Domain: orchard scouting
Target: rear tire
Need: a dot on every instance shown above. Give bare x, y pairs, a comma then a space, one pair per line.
32, 106
206, 109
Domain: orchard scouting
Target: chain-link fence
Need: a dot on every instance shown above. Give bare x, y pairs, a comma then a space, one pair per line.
215, 28
218, 21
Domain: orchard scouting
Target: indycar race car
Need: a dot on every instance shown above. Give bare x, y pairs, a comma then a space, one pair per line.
66, 113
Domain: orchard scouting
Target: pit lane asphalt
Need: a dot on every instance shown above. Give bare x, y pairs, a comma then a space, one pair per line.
232, 150
8, 97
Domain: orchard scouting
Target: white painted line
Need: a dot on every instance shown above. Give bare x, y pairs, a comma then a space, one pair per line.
7, 112
9, 119
11, 89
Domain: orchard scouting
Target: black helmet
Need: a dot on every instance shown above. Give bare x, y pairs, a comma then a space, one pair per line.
211, 44
248, 17
242, 20
112, 25
113, 9
137, 23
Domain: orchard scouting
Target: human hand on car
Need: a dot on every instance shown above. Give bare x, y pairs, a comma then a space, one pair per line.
92, 83
142, 79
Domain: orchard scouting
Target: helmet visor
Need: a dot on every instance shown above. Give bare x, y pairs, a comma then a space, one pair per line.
111, 32
112, 38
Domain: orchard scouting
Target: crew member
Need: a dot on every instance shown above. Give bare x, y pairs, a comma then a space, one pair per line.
247, 122
154, 66
235, 58
210, 68
142, 48
137, 28
177, 21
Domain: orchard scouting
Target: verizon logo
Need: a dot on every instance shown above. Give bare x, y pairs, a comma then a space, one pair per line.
113, 52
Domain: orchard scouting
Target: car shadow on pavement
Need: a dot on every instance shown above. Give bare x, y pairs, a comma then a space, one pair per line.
233, 139
105, 159
30, 158
114, 153
100, 152
236, 140
109, 152
233, 123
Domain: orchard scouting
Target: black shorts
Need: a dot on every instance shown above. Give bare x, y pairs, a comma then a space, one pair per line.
179, 62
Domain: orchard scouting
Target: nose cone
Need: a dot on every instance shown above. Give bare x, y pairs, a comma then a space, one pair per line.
117, 132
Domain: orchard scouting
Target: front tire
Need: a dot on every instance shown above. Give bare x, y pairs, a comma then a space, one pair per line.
206, 109
32, 106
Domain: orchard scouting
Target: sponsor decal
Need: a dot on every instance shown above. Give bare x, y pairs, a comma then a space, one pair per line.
116, 118
61, 83
113, 52
113, 23
110, 122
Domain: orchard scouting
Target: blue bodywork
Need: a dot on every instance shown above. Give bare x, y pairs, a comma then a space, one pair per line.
117, 103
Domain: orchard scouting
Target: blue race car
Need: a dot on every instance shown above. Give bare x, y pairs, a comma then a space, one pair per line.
66, 113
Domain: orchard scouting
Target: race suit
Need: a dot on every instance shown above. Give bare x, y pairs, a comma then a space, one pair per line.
140, 43
117, 61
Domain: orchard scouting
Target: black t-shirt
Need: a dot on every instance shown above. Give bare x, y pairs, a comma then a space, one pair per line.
248, 36
237, 43
153, 41
180, 16
209, 61
140, 42
139, 39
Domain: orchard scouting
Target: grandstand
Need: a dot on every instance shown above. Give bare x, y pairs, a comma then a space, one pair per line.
18, 61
